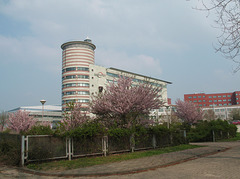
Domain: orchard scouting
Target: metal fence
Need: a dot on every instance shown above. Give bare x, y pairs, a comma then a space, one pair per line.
10, 148
44, 147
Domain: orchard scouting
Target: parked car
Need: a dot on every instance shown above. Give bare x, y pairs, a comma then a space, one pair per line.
236, 122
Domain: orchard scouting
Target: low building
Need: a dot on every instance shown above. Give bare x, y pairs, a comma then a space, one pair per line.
52, 113
220, 112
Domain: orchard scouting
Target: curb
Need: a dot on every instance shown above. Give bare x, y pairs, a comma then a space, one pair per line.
144, 169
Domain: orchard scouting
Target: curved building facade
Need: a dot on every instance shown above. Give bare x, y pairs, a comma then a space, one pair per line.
77, 56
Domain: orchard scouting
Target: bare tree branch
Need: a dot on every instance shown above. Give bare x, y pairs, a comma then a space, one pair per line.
228, 21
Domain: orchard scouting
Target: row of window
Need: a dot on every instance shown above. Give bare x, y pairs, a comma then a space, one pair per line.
212, 105
75, 84
75, 69
135, 80
75, 76
73, 100
76, 93
210, 101
224, 96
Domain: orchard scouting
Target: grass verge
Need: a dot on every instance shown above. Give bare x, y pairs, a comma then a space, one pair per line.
90, 161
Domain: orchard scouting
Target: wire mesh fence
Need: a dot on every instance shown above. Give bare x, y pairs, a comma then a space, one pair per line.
22, 149
118, 144
41, 147
87, 146
10, 148
143, 141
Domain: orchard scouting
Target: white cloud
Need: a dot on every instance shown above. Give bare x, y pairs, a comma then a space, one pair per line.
141, 63
29, 51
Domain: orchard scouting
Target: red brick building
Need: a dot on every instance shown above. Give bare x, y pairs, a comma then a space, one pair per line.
215, 99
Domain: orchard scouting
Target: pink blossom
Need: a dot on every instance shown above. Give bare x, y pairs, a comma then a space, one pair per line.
75, 117
20, 121
188, 112
125, 101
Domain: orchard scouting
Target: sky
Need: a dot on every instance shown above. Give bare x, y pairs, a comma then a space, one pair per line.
167, 39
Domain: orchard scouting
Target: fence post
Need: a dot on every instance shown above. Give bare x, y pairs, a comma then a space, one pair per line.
69, 148
154, 141
171, 138
22, 150
185, 136
105, 145
213, 134
132, 142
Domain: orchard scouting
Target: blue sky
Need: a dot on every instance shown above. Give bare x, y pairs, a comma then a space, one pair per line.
164, 39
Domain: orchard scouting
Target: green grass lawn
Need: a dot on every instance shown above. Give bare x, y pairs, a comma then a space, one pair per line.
90, 161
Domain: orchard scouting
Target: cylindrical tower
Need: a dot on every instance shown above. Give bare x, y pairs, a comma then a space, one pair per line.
76, 58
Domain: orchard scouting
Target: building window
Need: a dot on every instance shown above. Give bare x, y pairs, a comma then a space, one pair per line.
83, 100
210, 101
195, 101
199, 96
209, 96
70, 77
83, 76
190, 97
70, 69
70, 93
75, 84
83, 92
214, 96
100, 89
224, 96
219, 96
219, 100
113, 75
194, 96
82, 69
199, 100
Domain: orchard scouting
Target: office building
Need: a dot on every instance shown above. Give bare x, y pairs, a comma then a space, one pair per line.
214, 99
81, 78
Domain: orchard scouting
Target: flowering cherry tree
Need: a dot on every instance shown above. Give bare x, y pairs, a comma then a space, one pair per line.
188, 112
20, 121
75, 117
125, 103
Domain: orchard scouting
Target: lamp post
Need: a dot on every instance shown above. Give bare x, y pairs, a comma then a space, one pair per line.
43, 102
168, 125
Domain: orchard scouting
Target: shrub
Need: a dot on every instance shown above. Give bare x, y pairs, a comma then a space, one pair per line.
39, 130
203, 131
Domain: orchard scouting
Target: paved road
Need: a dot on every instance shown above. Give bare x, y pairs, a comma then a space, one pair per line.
221, 165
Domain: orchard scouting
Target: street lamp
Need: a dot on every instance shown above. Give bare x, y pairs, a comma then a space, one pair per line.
168, 125
43, 102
